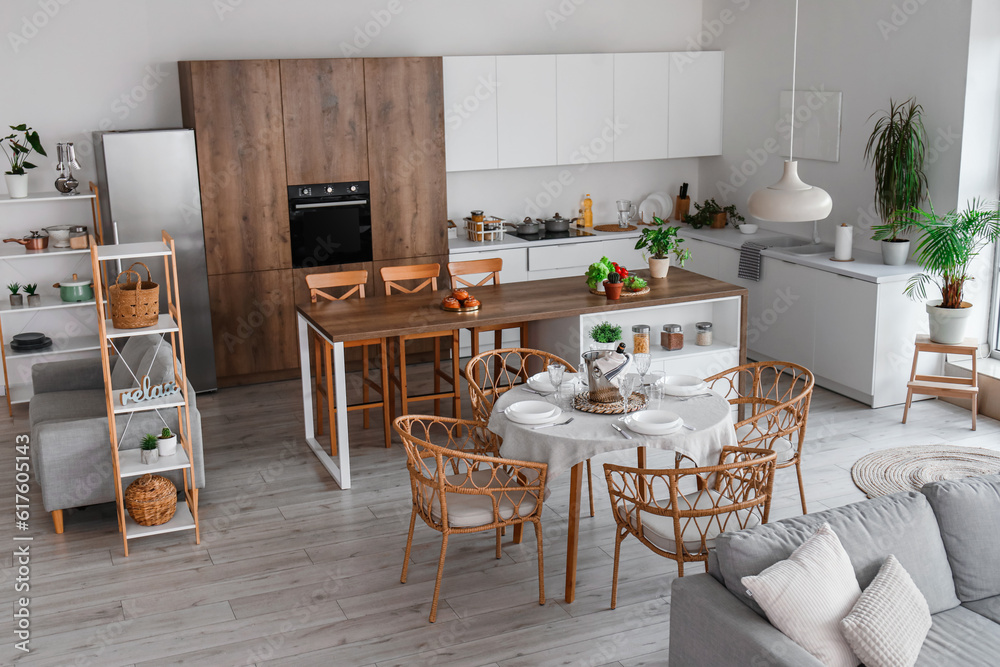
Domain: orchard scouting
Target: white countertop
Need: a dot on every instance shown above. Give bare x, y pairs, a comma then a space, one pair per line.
866, 266
463, 244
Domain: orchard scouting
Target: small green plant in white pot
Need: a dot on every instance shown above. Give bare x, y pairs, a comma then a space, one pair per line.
16, 300
148, 449
947, 248
661, 242
605, 336
17, 150
166, 443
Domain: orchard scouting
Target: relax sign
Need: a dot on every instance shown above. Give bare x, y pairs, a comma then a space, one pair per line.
145, 392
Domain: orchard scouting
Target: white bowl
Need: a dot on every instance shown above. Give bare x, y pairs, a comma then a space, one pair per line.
531, 412
748, 228
541, 381
654, 422
683, 385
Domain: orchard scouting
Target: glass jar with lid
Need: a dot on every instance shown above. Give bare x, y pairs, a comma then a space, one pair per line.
672, 337
78, 237
704, 333
640, 339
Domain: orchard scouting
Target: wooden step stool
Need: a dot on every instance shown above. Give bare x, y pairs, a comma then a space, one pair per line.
943, 385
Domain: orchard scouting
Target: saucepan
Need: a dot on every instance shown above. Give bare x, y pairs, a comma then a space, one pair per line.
76, 289
556, 223
526, 228
35, 241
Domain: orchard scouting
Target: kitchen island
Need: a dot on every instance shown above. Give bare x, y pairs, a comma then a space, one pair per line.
557, 311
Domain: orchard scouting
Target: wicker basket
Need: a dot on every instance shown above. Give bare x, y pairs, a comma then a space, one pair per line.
136, 304
151, 500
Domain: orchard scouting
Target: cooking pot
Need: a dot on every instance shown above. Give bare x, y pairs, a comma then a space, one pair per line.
34, 242
59, 235
556, 223
526, 228
76, 289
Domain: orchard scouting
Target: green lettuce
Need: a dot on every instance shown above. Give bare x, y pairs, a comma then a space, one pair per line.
598, 272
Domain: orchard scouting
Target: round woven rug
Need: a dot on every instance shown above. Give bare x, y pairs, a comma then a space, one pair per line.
909, 468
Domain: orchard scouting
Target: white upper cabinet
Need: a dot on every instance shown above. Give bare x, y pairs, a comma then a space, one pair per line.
526, 111
696, 81
470, 112
642, 95
585, 108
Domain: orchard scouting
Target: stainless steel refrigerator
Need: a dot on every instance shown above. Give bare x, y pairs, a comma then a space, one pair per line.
149, 182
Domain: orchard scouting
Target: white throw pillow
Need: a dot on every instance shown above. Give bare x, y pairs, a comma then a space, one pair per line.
888, 624
808, 595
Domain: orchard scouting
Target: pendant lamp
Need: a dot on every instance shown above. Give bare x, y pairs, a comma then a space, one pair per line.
790, 199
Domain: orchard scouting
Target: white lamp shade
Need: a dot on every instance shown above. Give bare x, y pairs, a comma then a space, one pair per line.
790, 200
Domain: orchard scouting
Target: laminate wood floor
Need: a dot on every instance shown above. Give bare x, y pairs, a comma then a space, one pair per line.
293, 571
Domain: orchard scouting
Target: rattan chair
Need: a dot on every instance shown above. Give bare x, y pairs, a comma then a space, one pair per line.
461, 485
649, 504
319, 284
510, 367
772, 402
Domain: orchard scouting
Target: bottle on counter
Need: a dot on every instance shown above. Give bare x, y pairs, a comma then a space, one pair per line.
672, 337
588, 211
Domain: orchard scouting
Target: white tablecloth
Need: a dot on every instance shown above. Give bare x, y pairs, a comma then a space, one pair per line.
590, 434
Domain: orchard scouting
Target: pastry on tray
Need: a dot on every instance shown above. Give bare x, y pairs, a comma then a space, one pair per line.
451, 303
460, 294
471, 302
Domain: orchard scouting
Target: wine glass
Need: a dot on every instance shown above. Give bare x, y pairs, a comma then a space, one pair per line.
642, 361
556, 372
626, 385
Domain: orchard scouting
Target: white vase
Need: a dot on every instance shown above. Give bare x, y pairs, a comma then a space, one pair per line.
17, 185
895, 253
947, 325
166, 446
658, 267
149, 456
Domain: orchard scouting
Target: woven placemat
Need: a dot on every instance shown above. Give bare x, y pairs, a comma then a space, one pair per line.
582, 402
909, 468
614, 228
624, 294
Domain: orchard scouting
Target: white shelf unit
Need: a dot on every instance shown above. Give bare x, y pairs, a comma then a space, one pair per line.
127, 464
18, 389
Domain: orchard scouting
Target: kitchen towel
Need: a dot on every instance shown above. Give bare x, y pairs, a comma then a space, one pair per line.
750, 261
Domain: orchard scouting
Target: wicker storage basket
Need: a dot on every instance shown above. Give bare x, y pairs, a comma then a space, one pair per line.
151, 500
136, 304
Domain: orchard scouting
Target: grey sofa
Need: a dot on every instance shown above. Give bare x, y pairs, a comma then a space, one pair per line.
947, 537
70, 446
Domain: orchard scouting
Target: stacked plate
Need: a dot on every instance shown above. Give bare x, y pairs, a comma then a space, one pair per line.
532, 412
541, 382
657, 204
654, 422
26, 342
683, 385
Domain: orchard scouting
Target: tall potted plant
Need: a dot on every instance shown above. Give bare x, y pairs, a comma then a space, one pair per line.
17, 151
896, 150
947, 247
661, 241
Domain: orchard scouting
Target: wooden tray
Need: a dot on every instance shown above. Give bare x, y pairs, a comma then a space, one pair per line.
625, 294
461, 309
583, 403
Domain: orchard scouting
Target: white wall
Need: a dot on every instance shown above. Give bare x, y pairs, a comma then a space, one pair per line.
111, 64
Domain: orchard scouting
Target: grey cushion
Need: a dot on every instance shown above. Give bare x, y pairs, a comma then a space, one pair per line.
67, 375
960, 638
158, 364
968, 513
57, 406
988, 607
902, 524
131, 353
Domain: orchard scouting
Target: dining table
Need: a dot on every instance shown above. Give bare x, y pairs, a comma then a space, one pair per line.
707, 426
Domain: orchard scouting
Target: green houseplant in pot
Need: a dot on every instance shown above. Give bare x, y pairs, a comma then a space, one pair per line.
147, 447
33, 299
166, 443
17, 150
896, 150
713, 214
661, 242
16, 300
948, 245
605, 336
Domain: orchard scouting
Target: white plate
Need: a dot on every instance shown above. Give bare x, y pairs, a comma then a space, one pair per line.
531, 412
646, 428
683, 385
541, 382
650, 208
666, 203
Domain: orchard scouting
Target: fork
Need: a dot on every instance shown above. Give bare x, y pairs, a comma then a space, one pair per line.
556, 424
688, 398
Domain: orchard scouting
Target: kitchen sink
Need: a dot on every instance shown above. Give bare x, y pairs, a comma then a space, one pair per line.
783, 242
809, 249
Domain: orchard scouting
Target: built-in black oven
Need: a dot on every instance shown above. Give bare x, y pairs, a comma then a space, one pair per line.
330, 224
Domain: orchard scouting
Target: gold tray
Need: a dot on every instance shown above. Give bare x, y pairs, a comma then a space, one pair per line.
461, 309
583, 403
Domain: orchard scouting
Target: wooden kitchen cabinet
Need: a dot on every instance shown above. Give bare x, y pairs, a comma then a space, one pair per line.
235, 109
526, 111
404, 102
642, 92
470, 112
695, 104
585, 107
326, 135
253, 326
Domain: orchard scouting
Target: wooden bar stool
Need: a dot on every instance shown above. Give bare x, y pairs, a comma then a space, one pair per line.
428, 275
491, 267
944, 385
355, 280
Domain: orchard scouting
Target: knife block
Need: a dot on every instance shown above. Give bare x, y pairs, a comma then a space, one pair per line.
681, 207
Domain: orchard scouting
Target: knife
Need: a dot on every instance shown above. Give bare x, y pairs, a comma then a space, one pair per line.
618, 428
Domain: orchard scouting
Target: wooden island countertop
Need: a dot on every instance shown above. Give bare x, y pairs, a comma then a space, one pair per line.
380, 316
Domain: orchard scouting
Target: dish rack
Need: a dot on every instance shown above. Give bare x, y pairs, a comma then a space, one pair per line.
491, 228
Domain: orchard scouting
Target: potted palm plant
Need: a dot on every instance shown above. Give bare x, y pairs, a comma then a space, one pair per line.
20, 148
661, 241
896, 150
947, 247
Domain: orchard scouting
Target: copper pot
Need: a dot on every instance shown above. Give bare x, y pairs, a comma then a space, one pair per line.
34, 242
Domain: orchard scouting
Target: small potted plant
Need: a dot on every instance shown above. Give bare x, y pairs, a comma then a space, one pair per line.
166, 443
16, 300
661, 241
605, 336
713, 214
947, 248
148, 449
19, 149
33, 299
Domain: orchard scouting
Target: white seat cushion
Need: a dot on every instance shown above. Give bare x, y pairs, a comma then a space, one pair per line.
466, 511
782, 446
659, 530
